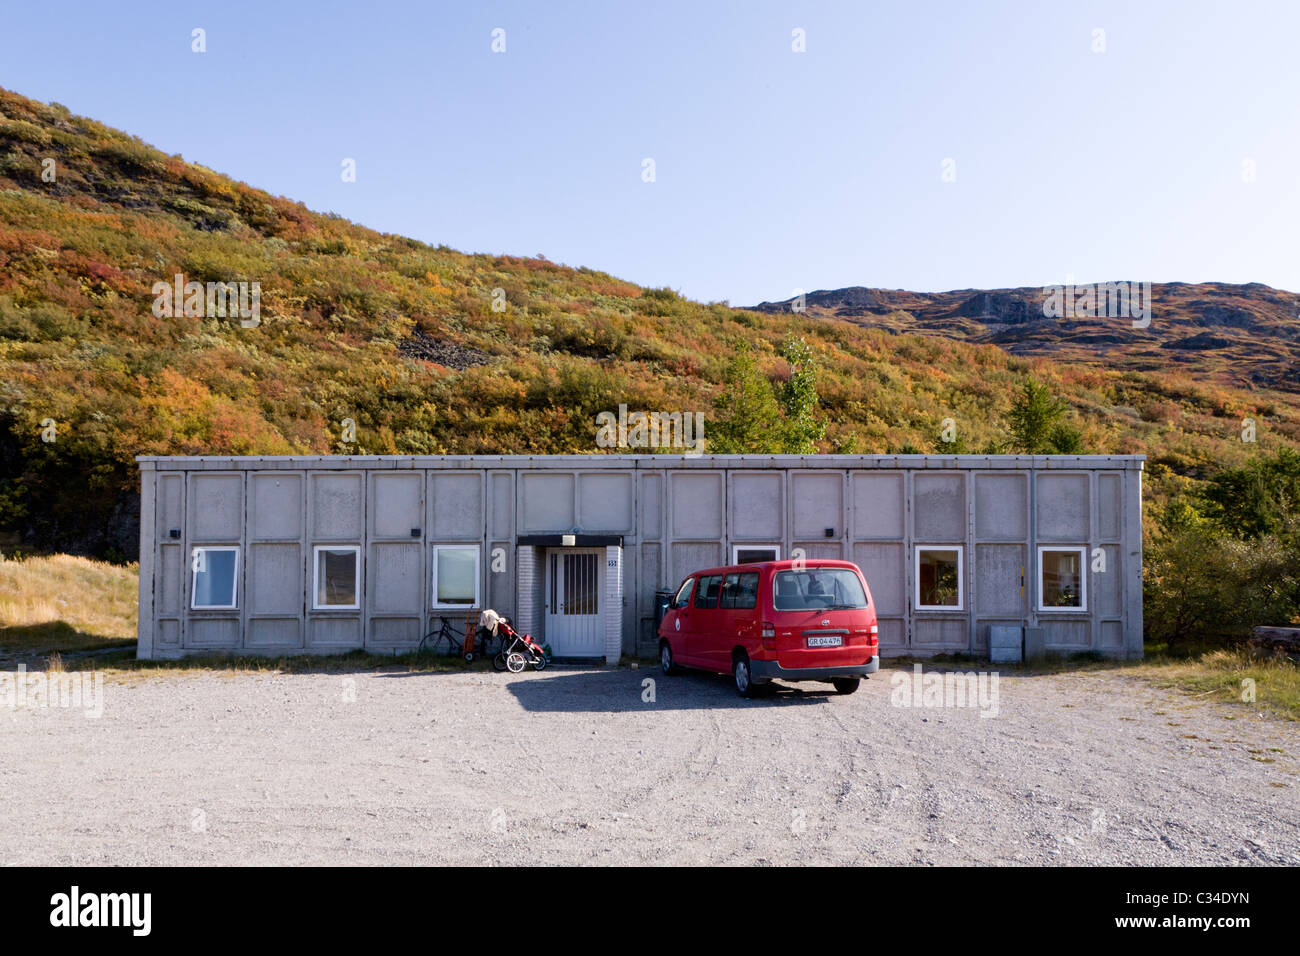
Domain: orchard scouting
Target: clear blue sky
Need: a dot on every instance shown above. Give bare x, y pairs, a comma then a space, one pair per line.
774, 169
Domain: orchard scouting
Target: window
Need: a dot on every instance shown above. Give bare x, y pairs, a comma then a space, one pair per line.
338, 577
1062, 585
740, 591
215, 578
754, 553
707, 595
683, 597
940, 582
455, 576
816, 589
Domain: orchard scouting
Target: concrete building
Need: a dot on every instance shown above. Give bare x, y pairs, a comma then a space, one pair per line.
330, 554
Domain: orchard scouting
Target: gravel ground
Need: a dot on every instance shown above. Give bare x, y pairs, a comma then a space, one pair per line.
573, 766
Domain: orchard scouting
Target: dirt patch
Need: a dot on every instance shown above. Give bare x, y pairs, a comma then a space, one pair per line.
575, 766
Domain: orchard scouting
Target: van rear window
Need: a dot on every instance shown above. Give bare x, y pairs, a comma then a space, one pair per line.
817, 588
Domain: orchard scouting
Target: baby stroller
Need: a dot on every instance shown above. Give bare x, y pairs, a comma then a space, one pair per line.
517, 650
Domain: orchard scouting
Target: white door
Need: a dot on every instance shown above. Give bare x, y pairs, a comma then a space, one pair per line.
573, 586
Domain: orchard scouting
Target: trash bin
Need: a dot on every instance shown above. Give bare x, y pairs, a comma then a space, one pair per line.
662, 600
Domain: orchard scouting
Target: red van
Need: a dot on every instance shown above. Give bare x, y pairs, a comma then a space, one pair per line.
793, 620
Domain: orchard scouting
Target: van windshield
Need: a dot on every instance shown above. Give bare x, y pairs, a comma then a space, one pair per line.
817, 589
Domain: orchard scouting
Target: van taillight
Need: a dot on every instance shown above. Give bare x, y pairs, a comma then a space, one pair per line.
875, 631
769, 636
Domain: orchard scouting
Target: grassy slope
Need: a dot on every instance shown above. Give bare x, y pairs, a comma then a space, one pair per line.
64, 603
341, 305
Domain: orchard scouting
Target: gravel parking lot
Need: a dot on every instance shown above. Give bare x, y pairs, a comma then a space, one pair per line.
574, 766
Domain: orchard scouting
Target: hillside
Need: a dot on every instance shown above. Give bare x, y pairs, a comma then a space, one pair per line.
1242, 335
403, 339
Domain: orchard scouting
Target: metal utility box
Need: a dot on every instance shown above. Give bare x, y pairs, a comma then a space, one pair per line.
1004, 643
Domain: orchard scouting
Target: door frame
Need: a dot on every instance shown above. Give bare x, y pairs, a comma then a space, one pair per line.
555, 620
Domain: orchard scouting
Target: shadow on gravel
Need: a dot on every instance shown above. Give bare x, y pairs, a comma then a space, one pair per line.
622, 690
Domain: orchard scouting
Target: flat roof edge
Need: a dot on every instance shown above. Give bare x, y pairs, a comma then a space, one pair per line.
249, 462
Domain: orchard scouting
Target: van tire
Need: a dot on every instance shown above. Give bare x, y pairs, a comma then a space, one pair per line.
846, 685
743, 679
666, 662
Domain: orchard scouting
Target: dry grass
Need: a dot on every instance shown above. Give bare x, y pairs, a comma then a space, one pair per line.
64, 603
1231, 676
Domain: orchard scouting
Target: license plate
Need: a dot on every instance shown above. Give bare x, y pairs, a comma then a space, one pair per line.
826, 640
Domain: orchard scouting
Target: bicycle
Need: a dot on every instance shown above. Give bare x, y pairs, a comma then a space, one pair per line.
446, 634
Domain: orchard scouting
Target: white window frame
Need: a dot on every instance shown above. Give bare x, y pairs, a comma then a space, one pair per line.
1082, 551
961, 577
478, 576
315, 577
737, 548
194, 575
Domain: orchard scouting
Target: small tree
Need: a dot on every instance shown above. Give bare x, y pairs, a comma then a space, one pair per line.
748, 417
1037, 426
803, 426
752, 417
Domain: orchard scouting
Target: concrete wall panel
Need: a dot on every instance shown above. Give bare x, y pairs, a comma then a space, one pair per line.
396, 578
170, 513
817, 503
398, 633
1066, 634
757, 508
456, 506
1110, 506
216, 508
997, 579
695, 502
396, 504
1001, 507
1107, 587
606, 503
688, 556
337, 507
825, 550
892, 633
1063, 513
940, 632
334, 633
650, 501
275, 506
169, 634
172, 586
275, 632
878, 505
546, 502
501, 515
884, 567
939, 508
500, 592
274, 579
213, 633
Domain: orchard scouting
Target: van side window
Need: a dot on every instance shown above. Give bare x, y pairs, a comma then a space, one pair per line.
747, 590
729, 588
740, 591
707, 595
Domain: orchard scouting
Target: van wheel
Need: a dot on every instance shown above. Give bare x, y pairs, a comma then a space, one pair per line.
846, 685
666, 659
746, 686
